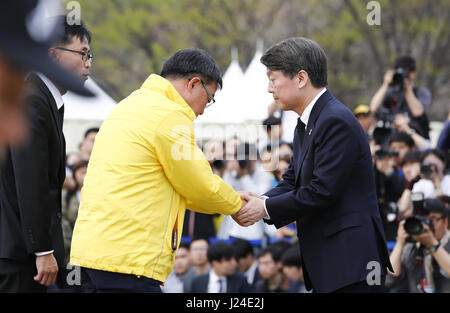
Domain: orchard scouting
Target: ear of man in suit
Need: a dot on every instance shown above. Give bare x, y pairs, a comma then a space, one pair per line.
252, 211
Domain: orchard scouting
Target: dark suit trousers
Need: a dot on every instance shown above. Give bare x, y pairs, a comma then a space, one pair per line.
95, 281
17, 277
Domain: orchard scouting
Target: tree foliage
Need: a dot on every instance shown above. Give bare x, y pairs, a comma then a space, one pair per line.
133, 38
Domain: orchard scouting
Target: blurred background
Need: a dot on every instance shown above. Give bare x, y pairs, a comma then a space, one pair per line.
133, 38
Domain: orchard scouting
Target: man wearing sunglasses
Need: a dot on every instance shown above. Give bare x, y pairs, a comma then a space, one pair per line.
144, 171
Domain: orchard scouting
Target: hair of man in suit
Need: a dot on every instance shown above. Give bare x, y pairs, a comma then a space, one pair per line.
72, 30
295, 54
244, 254
221, 257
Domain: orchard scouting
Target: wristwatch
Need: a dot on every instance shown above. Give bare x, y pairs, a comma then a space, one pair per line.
435, 247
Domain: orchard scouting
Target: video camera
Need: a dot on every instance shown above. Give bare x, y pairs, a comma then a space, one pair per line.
415, 224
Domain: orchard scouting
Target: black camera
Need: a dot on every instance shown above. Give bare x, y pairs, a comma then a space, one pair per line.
398, 79
381, 154
427, 169
415, 224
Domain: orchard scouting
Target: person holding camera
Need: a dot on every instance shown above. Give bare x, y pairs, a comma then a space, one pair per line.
422, 254
434, 182
399, 95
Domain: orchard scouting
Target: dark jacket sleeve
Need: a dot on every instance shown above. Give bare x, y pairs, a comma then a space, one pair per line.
335, 151
30, 165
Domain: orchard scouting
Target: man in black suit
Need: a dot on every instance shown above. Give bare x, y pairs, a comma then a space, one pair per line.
31, 178
247, 264
329, 187
222, 278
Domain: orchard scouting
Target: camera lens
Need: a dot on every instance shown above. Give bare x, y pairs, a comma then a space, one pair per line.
413, 226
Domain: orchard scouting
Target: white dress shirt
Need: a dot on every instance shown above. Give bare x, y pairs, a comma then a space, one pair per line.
304, 118
214, 284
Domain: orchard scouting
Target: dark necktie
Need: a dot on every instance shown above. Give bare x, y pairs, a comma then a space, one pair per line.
301, 130
61, 116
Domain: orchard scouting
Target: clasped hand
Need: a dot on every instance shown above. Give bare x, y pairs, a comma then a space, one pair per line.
252, 209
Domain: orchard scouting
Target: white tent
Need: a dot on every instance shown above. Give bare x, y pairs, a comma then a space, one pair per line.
256, 83
82, 113
84, 108
229, 100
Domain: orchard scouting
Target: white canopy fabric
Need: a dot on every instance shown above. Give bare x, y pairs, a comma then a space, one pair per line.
84, 108
229, 100
256, 83
244, 96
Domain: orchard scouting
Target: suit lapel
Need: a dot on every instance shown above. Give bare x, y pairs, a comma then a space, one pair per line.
318, 106
56, 120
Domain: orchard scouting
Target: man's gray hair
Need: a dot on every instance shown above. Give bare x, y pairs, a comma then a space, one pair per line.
295, 54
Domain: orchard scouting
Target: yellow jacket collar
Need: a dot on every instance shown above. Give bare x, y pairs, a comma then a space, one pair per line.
160, 84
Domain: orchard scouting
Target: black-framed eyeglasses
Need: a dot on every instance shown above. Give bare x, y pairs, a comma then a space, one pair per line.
85, 56
211, 98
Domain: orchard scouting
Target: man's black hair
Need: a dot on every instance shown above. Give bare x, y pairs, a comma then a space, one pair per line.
91, 130
435, 205
414, 156
191, 62
72, 30
402, 137
242, 248
405, 62
436, 152
276, 251
292, 55
291, 257
219, 251
184, 244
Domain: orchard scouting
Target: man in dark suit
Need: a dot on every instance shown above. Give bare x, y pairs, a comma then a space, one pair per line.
329, 187
222, 278
31, 178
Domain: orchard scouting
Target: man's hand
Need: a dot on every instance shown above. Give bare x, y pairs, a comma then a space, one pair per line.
388, 76
47, 269
252, 212
402, 235
426, 238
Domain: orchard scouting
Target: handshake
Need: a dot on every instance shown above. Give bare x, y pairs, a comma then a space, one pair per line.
252, 209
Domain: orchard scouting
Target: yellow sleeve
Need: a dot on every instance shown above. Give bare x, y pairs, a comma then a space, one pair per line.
189, 172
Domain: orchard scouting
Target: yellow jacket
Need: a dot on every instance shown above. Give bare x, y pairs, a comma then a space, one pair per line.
145, 169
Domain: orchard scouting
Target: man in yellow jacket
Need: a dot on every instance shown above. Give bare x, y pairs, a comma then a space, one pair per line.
145, 169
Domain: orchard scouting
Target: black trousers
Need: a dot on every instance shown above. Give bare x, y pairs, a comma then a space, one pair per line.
95, 281
16, 277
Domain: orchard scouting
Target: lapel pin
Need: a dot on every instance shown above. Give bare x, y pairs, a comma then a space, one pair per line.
310, 131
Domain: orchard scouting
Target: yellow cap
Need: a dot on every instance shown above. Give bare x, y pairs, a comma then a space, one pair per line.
362, 109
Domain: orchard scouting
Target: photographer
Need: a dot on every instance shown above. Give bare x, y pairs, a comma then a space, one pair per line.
399, 95
390, 181
424, 261
434, 183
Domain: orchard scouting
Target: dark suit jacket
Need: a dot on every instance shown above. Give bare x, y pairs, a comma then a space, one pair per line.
236, 283
31, 179
329, 189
